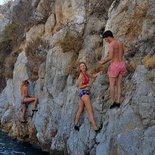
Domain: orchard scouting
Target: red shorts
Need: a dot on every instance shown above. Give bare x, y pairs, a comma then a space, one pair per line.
116, 69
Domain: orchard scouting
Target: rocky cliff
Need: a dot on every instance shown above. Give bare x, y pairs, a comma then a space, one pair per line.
57, 35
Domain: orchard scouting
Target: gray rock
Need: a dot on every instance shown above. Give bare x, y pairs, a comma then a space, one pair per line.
131, 143
35, 32
50, 24
127, 130
8, 116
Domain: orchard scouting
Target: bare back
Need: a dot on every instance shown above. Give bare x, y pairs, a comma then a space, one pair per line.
118, 50
24, 90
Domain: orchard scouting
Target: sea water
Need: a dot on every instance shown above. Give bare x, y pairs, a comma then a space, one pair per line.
9, 146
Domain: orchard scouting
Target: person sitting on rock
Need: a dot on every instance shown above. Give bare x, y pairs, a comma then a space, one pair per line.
85, 98
26, 100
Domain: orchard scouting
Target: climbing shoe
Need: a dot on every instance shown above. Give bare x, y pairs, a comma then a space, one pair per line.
23, 121
115, 105
34, 110
99, 129
76, 128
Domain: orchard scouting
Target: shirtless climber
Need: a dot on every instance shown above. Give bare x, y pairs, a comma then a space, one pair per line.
26, 100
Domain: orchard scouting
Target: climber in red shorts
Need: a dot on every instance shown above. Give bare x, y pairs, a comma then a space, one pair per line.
117, 68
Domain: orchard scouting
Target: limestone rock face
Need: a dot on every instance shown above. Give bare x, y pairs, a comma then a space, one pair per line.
49, 24
127, 130
132, 21
71, 13
35, 32
4, 17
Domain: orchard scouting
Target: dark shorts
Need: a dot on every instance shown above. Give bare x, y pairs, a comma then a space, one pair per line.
84, 92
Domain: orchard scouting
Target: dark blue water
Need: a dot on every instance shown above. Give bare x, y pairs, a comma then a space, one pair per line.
9, 146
